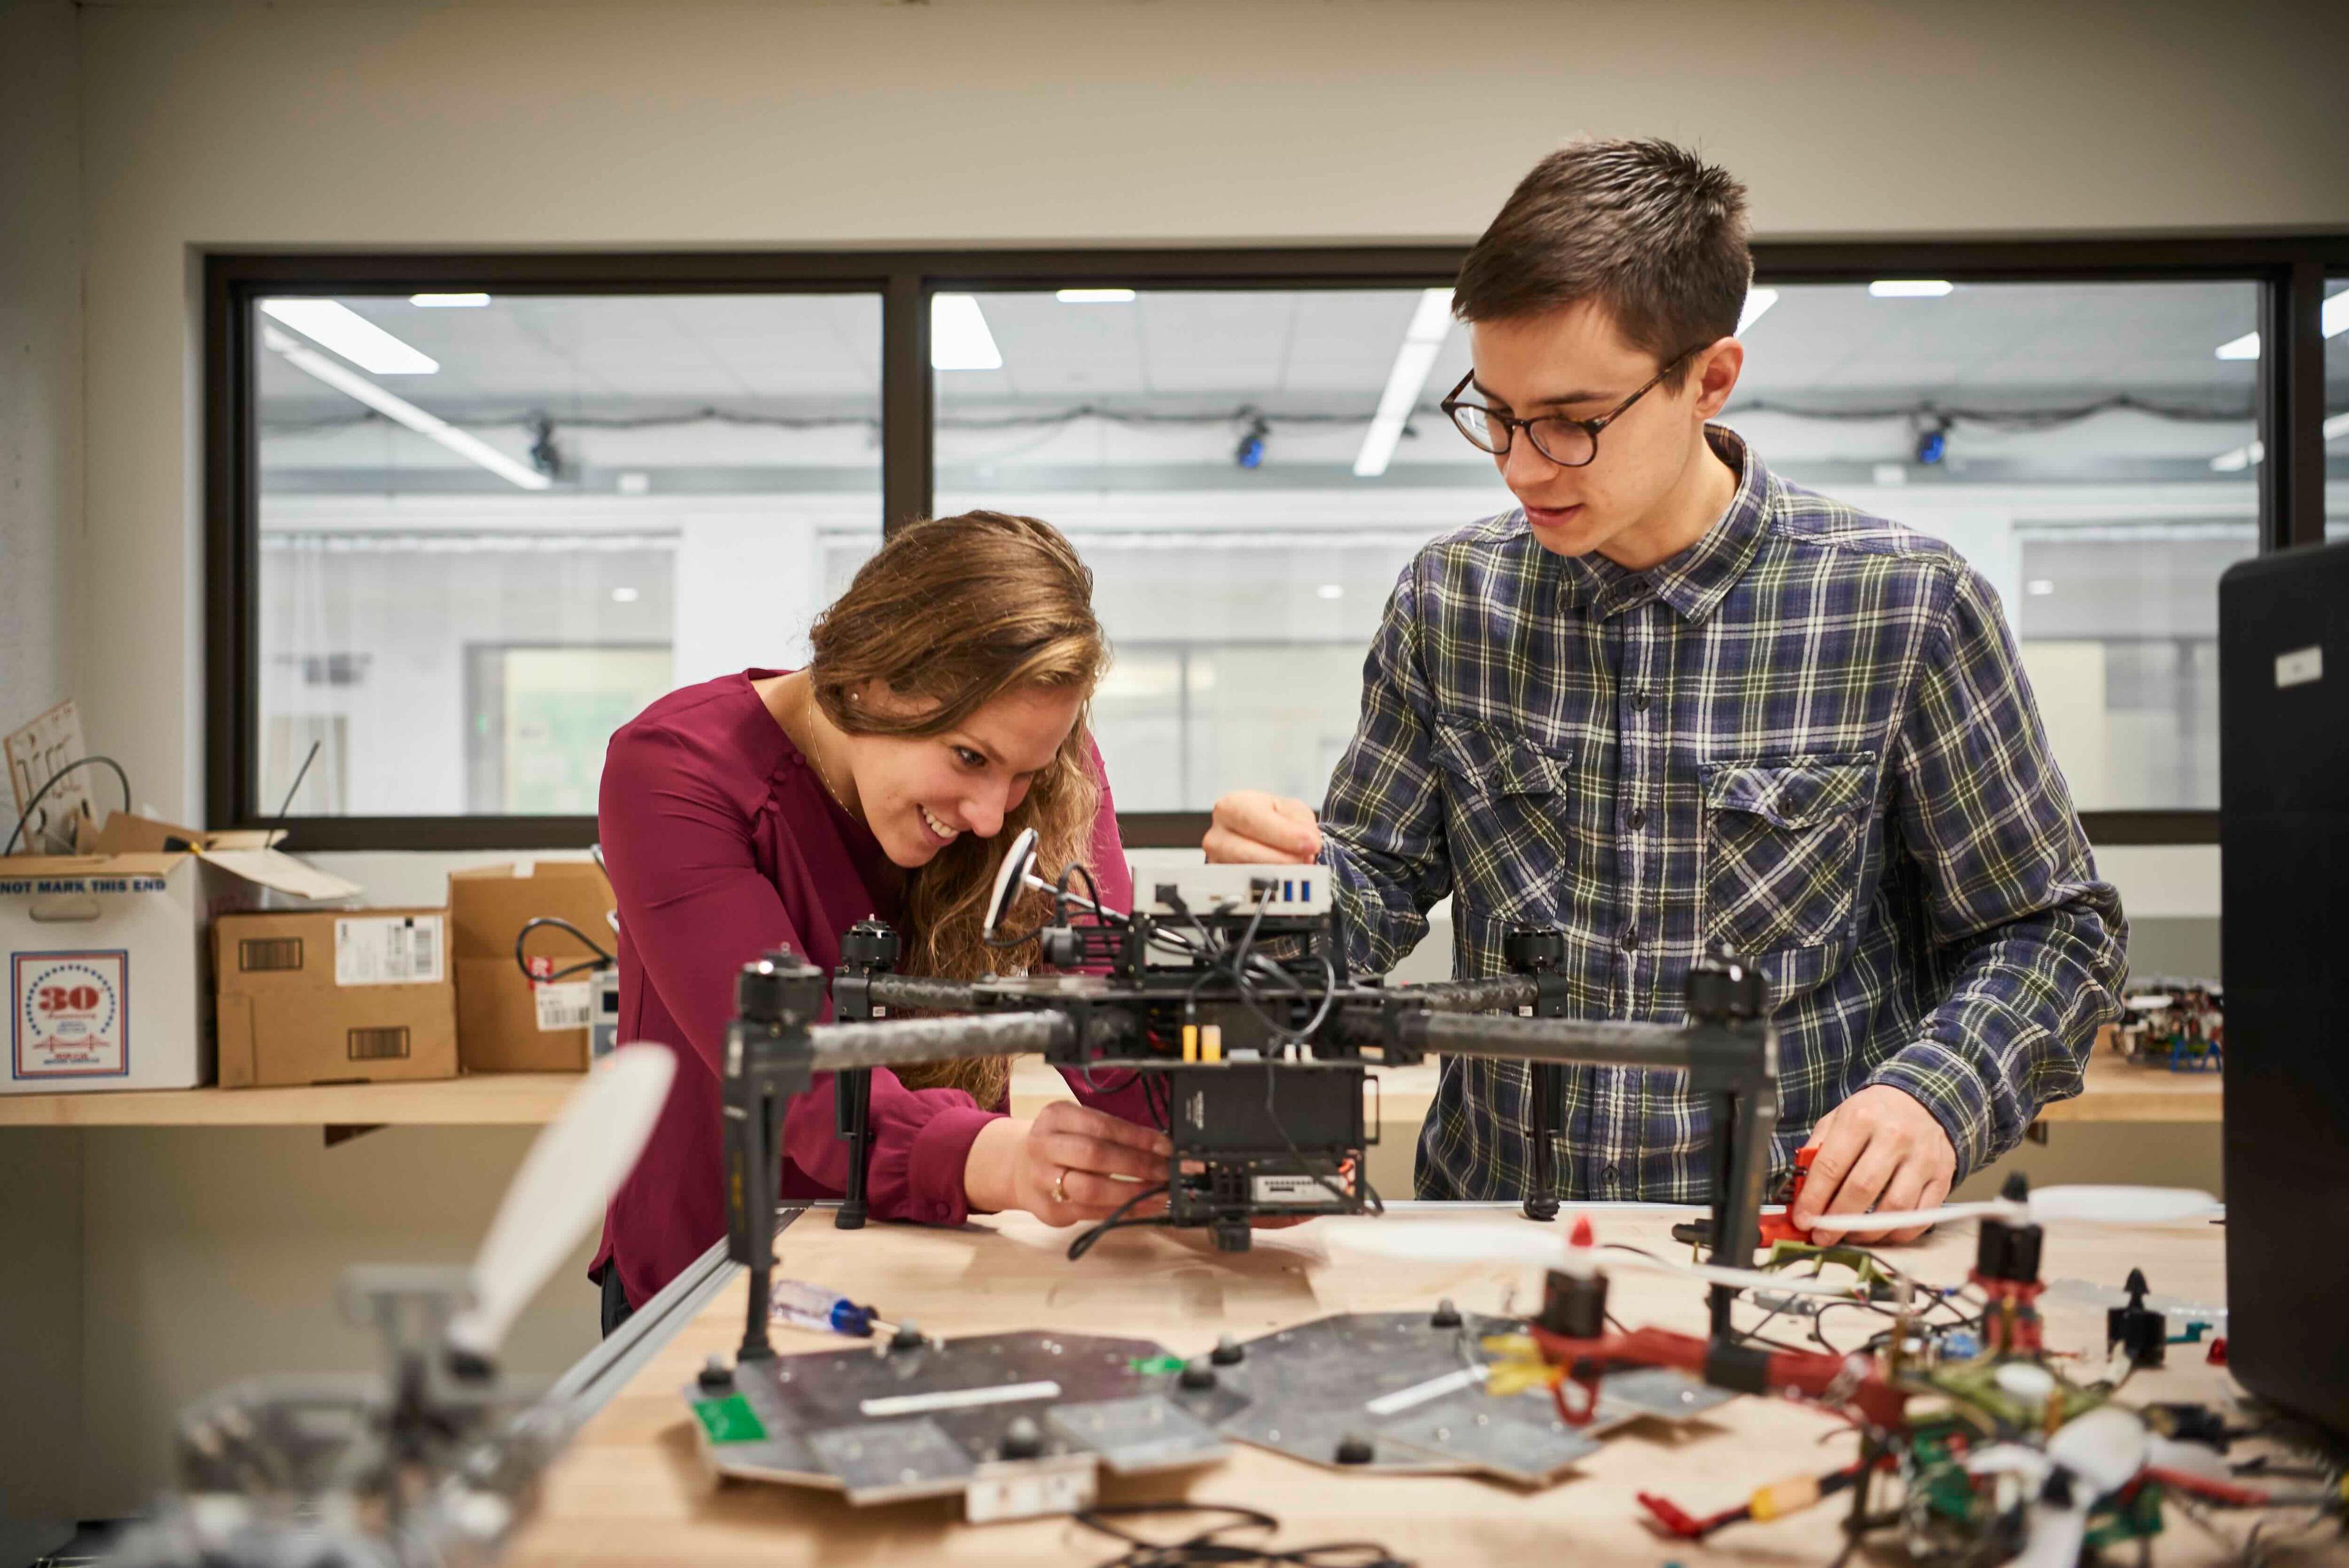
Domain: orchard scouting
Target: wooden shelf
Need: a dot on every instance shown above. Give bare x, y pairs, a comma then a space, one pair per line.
2123, 1091
489, 1099
2117, 1091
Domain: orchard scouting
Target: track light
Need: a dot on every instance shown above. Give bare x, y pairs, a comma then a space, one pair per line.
1249, 454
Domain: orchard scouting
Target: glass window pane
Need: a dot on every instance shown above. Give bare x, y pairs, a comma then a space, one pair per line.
1218, 458
2336, 408
494, 527
2085, 445
2088, 447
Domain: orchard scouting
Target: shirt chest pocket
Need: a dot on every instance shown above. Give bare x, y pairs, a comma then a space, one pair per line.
1783, 841
1507, 817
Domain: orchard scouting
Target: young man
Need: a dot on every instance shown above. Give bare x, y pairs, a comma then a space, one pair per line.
1675, 703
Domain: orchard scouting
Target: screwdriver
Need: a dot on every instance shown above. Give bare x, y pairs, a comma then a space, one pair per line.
803, 1305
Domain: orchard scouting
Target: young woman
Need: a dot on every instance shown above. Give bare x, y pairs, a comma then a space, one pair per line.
943, 707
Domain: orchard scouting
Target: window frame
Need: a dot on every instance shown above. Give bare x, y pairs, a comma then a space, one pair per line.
2290, 269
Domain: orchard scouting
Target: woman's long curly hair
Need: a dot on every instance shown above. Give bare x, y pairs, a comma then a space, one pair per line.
951, 614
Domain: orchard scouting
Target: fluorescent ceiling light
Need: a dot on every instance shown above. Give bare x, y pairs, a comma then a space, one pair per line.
1421, 341
1095, 296
959, 339
1758, 302
2332, 321
1331, 590
624, 595
448, 301
2242, 457
350, 382
1910, 288
337, 326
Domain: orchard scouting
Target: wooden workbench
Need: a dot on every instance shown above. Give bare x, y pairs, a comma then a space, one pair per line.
632, 1489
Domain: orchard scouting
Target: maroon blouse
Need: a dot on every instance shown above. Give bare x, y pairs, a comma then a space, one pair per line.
723, 844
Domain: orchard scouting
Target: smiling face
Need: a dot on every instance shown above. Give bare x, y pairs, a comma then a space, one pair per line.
1654, 478
920, 793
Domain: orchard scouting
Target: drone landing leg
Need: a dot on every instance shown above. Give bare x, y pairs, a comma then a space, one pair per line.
1547, 1089
852, 1100
753, 1169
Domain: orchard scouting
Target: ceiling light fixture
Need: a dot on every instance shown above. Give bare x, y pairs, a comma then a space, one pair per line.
351, 383
1095, 296
448, 301
1910, 288
2332, 320
1331, 591
1758, 302
336, 326
624, 595
959, 339
1421, 342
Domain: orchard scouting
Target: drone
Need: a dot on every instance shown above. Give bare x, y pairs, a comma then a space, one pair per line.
1228, 992
2002, 1451
435, 1464
2179, 1022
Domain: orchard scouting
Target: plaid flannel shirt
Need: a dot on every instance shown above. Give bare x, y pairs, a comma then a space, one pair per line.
1808, 737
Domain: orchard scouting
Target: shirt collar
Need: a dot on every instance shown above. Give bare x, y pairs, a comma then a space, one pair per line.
1695, 581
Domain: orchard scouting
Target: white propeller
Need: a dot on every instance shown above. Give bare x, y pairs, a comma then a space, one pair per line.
1546, 1246
2111, 1205
565, 1183
2102, 1449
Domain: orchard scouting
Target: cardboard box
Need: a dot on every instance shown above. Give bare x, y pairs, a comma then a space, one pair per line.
335, 996
107, 962
506, 1021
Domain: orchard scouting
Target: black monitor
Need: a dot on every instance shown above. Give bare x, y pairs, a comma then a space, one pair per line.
2284, 793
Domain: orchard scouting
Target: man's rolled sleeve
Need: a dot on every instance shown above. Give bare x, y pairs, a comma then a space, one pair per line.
2031, 942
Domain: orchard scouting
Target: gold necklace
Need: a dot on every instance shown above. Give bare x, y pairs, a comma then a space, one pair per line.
807, 723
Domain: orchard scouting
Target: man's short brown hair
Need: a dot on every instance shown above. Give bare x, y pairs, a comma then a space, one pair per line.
1647, 229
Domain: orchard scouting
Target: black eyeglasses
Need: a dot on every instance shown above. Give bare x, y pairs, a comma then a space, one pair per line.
1569, 443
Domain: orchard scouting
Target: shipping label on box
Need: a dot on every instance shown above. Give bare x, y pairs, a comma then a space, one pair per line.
70, 1013
396, 950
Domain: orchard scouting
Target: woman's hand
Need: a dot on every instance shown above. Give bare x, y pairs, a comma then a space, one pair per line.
1070, 1166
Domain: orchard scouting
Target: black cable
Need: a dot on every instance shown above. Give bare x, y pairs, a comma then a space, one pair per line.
601, 961
1117, 1221
42, 794
1212, 1546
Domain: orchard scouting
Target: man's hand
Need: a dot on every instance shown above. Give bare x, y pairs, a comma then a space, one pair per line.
1879, 1150
1253, 828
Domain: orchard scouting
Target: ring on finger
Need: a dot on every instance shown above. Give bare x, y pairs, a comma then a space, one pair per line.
1060, 1186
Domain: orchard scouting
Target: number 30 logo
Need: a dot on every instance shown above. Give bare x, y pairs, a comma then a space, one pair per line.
69, 999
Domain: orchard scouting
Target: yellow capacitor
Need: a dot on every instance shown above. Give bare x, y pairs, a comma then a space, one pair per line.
1779, 1498
1211, 1042
1190, 1042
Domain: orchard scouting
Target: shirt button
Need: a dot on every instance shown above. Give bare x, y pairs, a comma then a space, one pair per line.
1639, 700
1630, 938
1637, 819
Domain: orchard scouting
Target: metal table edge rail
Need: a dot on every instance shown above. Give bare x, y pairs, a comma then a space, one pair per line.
591, 1380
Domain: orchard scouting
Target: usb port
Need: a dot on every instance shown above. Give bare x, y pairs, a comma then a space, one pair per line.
1305, 889
1289, 892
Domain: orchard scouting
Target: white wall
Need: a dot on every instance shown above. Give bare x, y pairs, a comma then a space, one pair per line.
973, 121
40, 349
